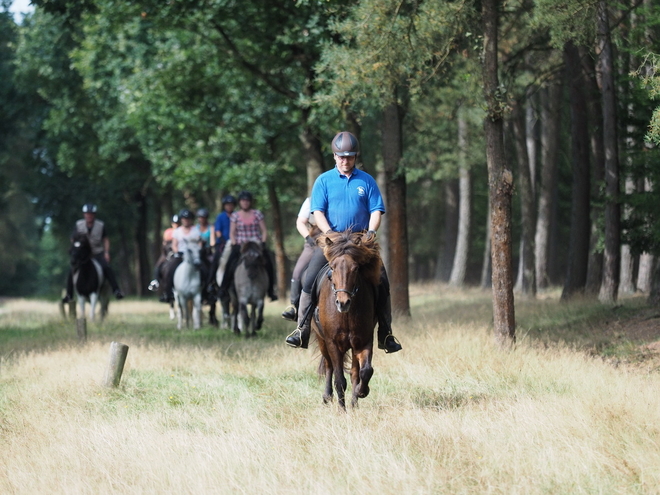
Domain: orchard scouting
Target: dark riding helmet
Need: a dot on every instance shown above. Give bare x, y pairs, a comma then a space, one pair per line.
89, 208
203, 212
186, 214
245, 195
345, 144
175, 219
228, 199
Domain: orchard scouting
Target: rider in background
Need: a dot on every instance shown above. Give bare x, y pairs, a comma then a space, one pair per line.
247, 224
100, 244
206, 230
345, 198
306, 225
184, 234
166, 250
222, 231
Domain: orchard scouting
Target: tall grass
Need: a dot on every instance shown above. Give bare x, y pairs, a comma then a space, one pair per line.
206, 412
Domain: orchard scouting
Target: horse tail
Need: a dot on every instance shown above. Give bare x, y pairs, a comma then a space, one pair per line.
321, 369
322, 365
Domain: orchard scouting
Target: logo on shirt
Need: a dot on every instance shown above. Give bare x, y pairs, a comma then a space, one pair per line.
361, 191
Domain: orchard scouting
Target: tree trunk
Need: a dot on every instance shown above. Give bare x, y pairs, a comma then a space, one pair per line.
627, 279
312, 151
459, 268
610, 283
595, 108
578, 251
396, 210
450, 231
500, 184
278, 241
143, 268
527, 203
550, 118
486, 264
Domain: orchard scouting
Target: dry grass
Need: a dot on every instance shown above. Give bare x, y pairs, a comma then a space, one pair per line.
448, 414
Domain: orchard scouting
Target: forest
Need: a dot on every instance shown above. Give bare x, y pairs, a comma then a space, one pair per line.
525, 128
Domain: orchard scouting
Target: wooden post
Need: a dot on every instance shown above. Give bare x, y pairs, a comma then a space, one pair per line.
118, 352
81, 330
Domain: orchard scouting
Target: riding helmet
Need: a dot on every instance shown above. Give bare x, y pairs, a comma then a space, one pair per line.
228, 199
89, 208
203, 212
345, 144
245, 195
186, 214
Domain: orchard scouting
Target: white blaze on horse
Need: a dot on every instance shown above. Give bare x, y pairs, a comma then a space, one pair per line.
188, 287
89, 284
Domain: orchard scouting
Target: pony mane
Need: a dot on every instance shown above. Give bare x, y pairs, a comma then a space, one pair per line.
361, 247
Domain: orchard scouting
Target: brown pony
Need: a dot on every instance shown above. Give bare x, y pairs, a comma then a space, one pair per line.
346, 311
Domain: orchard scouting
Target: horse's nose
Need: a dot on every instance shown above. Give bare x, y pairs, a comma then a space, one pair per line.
343, 307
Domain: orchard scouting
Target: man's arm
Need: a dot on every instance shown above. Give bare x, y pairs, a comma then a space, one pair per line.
374, 220
321, 221
106, 248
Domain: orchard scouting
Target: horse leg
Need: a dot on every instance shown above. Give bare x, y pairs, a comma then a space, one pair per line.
172, 312
242, 319
251, 322
340, 379
197, 311
325, 366
260, 314
93, 298
179, 311
365, 372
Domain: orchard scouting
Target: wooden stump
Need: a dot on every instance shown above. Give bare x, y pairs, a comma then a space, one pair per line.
81, 330
118, 352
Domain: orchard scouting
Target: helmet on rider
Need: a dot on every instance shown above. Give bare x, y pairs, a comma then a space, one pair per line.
175, 219
228, 199
186, 214
89, 208
245, 195
203, 212
345, 144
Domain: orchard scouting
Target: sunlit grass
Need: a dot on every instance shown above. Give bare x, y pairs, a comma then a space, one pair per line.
208, 412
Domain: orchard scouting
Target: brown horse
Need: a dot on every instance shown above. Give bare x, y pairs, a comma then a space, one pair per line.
346, 311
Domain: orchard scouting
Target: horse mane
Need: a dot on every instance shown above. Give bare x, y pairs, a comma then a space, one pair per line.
360, 246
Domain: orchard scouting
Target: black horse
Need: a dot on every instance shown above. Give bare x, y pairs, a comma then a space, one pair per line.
89, 284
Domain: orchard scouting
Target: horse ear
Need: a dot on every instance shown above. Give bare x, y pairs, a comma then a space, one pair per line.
357, 240
324, 240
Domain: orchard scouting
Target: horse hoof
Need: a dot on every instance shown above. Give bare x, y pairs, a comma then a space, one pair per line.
327, 399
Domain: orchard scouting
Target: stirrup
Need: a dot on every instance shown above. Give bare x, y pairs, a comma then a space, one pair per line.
153, 285
295, 339
390, 344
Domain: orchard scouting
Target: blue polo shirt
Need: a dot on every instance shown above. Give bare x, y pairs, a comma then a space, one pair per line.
347, 202
222, 224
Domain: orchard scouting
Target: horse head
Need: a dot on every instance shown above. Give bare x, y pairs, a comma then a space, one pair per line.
252, 256
350, 255
191, 254
80, 250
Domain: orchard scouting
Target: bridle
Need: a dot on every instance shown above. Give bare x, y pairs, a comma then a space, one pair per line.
334, 291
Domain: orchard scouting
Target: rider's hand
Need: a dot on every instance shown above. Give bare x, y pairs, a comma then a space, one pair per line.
371, 234
310, 241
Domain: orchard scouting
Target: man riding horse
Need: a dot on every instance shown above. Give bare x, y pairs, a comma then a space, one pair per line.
345, 198
100, 243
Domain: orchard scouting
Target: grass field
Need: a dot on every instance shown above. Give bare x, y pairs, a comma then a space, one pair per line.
575, 408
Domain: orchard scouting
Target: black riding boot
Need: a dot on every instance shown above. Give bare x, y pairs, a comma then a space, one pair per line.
300, 336
386, 340
291, 313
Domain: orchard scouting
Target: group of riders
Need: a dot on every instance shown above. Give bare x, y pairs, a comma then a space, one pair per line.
342, 198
